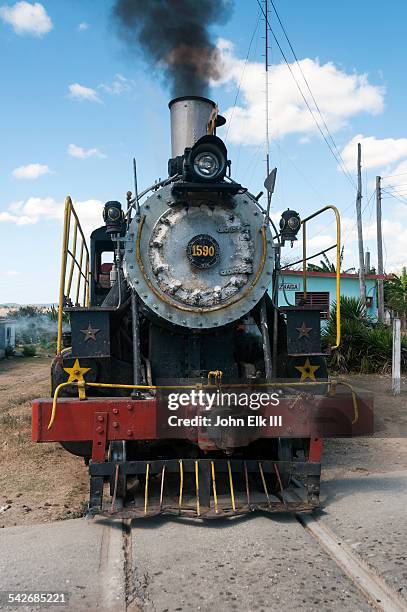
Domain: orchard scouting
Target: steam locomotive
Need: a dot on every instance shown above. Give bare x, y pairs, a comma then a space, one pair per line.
180, 295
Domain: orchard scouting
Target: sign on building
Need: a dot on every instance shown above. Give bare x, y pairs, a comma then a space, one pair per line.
290, 286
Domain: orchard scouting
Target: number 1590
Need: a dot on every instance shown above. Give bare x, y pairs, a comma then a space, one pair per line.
203, 251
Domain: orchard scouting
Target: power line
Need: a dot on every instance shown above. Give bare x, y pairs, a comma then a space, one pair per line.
371, 207
239, 149
371, 214
242, 75
350, 229
391, 175
308, 87
251, 163
399, 193
337, 159
396, 188
337, 155
395, 197
299, 171
369, 200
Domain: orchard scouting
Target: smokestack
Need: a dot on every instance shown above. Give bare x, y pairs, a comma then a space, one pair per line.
189, 121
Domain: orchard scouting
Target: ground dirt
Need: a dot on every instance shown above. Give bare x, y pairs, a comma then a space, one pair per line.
38, 482
386, 451
42, 482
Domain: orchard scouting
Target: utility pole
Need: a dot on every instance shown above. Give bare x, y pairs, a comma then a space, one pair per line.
380, 293
362, 283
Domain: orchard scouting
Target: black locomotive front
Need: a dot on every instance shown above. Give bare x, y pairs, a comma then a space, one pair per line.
183, 289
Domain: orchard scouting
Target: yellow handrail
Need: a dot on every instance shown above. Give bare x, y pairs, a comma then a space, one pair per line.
338, 264
65, 285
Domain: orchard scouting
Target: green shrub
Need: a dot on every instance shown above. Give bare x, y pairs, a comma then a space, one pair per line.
29, 350
366, 346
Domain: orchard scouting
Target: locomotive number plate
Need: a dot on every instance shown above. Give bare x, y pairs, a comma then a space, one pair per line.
203, 251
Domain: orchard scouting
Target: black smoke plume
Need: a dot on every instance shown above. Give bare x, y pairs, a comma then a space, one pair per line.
173, 36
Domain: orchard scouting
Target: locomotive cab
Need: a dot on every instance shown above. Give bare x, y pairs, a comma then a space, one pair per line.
101, 264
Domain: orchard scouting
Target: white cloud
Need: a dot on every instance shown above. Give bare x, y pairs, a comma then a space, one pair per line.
83, 26
15, 207
339, 95
119, 85
27, 18
394, 238
80, 92
81, 153
17, 219
34, 210
90, 214
376, 152
9, 273
397, 178
31, 171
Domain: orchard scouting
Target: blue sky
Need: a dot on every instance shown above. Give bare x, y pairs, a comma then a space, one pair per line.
353, 55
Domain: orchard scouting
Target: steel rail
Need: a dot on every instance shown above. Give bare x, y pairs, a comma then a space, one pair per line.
380, 594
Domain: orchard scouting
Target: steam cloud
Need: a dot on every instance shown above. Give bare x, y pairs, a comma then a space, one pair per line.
173, 36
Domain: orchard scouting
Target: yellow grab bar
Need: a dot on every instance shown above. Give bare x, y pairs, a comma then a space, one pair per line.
65, 285
82, 386
215, 496
338, 264
198, 507
181, 484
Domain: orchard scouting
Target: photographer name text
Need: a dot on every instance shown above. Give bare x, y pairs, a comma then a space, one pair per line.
251, 420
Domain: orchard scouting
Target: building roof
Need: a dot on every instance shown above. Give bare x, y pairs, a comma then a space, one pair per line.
333, 274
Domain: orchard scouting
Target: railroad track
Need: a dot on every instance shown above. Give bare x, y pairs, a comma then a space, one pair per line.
165, 564
375, 590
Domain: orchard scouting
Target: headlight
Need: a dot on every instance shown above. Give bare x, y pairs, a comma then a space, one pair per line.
113, 217
294, 223
113, 214
290, 224
206, 164
206, 161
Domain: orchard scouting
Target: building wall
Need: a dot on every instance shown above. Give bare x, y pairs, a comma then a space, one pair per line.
349, 288
7, 334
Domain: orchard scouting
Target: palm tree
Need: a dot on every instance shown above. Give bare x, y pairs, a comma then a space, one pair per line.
327, 266
395, 292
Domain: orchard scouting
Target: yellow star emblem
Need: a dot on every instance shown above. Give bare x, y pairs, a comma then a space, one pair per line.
307, 370
76, 372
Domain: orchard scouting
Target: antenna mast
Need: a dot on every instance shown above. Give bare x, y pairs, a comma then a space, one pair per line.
266, 58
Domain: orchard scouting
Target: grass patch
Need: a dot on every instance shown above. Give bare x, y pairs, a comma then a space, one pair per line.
9, 421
